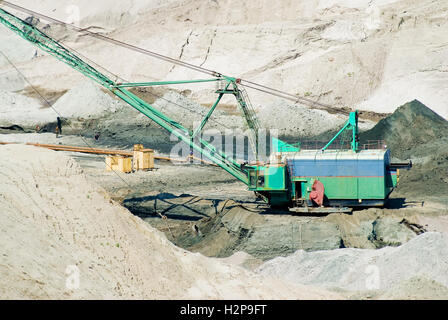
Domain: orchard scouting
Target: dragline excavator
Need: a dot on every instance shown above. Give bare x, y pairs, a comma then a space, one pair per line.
325, 178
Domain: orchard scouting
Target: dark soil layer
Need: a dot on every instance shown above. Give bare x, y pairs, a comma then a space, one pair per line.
413, 130
37, 93
427, 180
220, 228
416, 132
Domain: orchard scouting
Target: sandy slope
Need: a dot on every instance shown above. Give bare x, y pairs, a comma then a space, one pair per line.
371, 54
425, 258
52, 219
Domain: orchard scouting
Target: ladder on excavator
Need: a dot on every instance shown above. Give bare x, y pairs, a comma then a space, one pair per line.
248, 112
251, 118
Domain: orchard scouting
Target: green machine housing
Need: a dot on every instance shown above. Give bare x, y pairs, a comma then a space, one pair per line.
350, 177
364, 178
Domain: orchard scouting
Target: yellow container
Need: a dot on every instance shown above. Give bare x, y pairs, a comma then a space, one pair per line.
143, 159
125, 164
138, 147
119, 163
111, 163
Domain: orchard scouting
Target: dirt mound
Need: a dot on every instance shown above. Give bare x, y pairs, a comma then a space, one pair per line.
16, 109
55, 228
425, 256
428, 179
86, 100
410, 130
416, 132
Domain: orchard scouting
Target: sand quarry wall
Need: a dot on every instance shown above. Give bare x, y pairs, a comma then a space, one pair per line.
55, 224
370, 54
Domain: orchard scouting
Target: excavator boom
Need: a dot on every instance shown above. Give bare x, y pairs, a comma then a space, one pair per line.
38, 38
